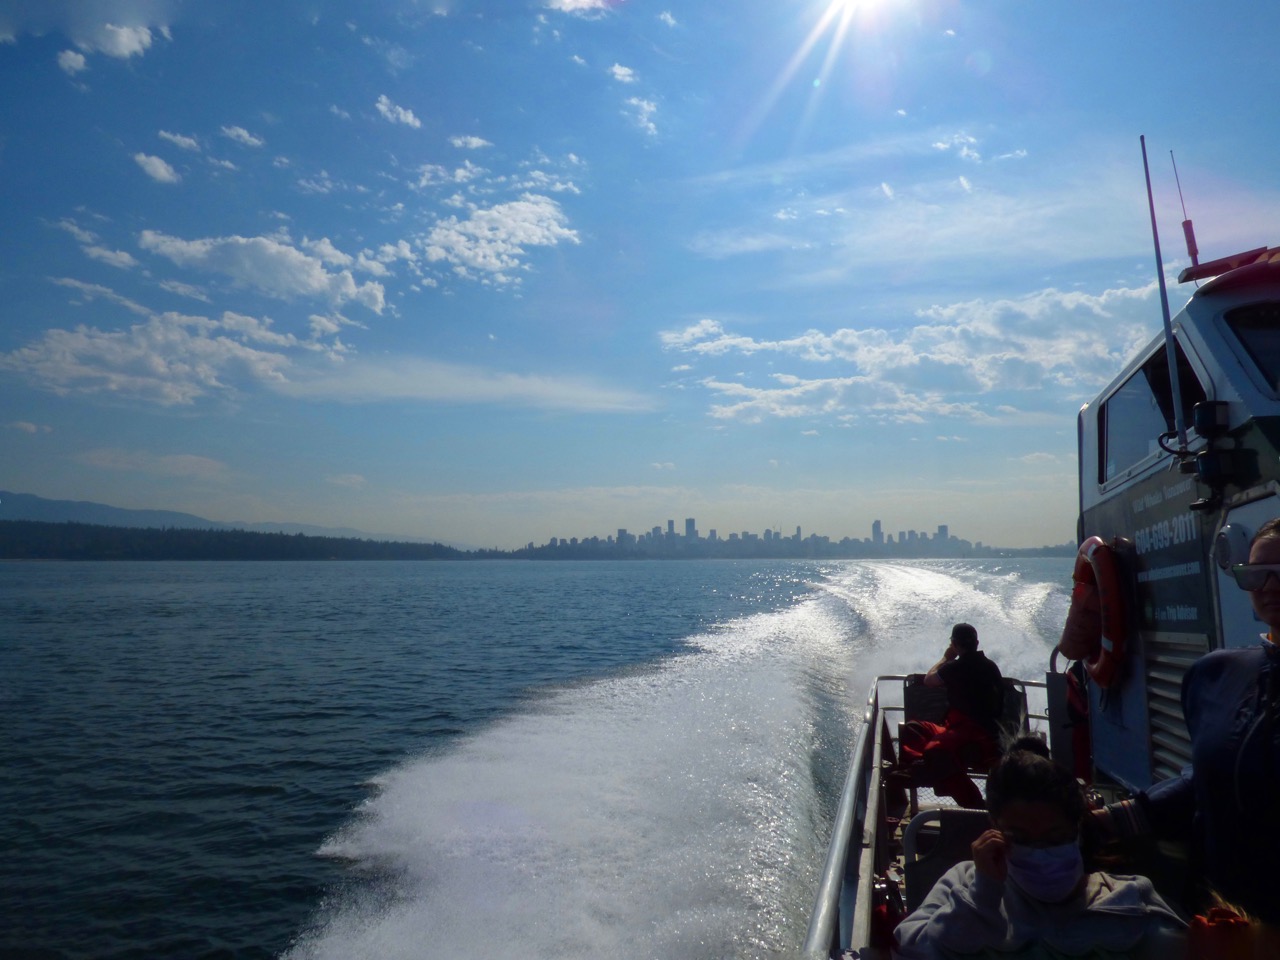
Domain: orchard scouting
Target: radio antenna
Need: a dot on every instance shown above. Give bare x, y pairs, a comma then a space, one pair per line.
1188, 230
1170, 351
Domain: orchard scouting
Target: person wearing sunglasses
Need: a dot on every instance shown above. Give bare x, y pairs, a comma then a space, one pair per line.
1027, 887
1224, 804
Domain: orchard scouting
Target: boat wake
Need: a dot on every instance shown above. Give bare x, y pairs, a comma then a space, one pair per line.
676, 811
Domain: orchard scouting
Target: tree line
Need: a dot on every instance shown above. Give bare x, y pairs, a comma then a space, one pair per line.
37, 540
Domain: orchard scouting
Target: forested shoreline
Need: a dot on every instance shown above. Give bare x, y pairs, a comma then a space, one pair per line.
38, 540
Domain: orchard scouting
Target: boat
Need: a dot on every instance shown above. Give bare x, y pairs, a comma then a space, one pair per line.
1179, 464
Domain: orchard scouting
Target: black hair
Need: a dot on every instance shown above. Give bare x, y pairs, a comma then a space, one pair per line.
1026, 772
964, 636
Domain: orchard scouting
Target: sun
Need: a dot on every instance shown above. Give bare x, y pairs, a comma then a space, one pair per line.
836, 25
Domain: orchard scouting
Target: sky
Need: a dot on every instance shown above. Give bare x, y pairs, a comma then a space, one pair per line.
495, 271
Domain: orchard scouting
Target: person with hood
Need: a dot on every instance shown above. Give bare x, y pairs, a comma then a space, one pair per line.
1027, 888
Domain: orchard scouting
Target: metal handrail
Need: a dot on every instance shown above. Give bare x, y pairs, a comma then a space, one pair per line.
823, 922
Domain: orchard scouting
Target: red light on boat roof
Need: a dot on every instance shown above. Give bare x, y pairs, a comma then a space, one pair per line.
1213, 268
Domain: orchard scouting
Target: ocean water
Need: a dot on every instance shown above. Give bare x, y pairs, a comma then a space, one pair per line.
445, 760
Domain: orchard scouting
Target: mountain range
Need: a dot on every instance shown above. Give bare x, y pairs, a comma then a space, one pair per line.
26, 506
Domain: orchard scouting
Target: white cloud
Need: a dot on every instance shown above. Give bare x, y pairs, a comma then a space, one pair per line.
363, 380
156, 168
114, 41
580, 7
622, 74
395, 113
77, 231
94, 291
541, 180
180, 141
964, 145
431, 174
494, 240
24, 426
697, 333
729, 243
72, 62
267, 264
117, 28
326, 251
168, 359
397, 57
982, 354
470, 143
319, 183
642, 113
159, 465
242, 136
116, 258
400, 250
666, 17
184, 290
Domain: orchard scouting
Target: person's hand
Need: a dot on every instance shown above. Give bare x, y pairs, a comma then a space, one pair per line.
991, 855
951, 653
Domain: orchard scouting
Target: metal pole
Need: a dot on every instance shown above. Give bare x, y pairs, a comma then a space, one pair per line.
1171, 352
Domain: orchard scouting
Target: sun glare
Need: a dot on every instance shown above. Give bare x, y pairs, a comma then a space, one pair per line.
834, 22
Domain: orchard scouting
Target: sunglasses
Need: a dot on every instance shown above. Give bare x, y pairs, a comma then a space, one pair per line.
1253, 576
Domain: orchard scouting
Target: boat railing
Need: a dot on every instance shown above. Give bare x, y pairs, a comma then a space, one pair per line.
859, 807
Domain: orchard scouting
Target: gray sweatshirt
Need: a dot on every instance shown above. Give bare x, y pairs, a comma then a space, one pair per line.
967, 912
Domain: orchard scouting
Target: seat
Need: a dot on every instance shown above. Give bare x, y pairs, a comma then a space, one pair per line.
934, 842
922, 702
1013, 720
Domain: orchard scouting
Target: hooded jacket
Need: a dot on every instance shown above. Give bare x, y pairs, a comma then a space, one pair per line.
967, 912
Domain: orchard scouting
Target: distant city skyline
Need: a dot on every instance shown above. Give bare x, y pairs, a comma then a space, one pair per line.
658, 535
669, 543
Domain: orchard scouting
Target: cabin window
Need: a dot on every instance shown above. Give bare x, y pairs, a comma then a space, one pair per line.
1133, 418
1257, 327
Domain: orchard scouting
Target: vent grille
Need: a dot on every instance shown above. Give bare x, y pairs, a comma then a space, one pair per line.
1167, 660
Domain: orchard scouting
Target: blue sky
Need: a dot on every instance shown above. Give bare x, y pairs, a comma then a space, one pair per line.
493, 271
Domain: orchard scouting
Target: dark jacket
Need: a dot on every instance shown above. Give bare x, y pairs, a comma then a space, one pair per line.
974, 688
1227, 803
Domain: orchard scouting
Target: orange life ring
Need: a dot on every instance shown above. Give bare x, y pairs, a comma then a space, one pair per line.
1096, 633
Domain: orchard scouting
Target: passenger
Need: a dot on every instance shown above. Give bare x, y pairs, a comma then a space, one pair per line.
1026, 887
937, 755
1225, 802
